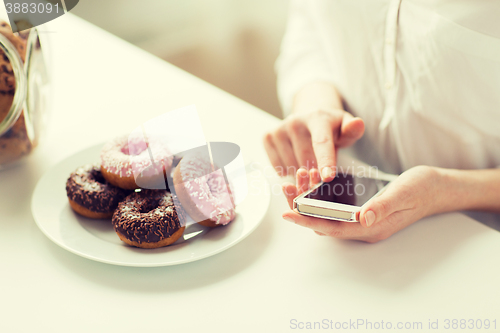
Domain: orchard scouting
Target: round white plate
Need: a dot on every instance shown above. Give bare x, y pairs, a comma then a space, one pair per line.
96, 239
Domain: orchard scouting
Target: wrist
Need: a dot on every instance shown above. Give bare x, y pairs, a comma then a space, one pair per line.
441, 189
458, 191
475, 189
317, 96
438, 189
449, 190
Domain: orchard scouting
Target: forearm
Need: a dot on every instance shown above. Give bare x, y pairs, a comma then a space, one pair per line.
470, 190
316, 96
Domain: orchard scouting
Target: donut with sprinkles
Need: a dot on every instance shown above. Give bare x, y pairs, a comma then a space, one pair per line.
127, 158
149, 219
203, 191
90, 195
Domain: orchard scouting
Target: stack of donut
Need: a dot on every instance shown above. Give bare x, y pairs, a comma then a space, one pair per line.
147, 217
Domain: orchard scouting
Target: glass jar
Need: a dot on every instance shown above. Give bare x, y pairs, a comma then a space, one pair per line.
23, 93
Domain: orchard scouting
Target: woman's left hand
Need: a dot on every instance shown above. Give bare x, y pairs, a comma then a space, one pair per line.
416, 193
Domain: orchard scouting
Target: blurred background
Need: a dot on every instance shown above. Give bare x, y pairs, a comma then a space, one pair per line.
231, 44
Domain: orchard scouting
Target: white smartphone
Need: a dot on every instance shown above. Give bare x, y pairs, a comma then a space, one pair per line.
340, 199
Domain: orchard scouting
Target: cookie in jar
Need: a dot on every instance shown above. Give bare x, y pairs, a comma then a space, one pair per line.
23, 90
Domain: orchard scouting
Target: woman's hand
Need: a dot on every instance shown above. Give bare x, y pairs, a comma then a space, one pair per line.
416, 193
310, 140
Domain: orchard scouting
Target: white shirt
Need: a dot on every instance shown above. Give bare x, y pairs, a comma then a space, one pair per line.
423, 74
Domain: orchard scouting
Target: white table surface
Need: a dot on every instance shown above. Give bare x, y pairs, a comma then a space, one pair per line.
443, 267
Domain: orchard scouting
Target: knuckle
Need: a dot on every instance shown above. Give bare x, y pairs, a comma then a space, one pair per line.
268, 138
381, 208
306, 153
287, 190
325, 161
281, 134
392, 220
322, 113
295, 124
319, 116
321, 139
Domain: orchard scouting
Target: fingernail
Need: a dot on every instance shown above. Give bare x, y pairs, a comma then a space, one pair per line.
288, 218
370, 218
326, 172
302, 172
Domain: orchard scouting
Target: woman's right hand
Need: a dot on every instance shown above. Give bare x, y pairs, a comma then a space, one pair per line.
311, 140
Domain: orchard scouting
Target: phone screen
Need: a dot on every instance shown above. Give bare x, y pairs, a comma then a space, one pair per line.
348, 190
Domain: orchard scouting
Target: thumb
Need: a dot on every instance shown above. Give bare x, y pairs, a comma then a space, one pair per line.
351, 130
379, 207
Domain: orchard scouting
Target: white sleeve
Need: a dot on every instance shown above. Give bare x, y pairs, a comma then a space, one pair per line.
302, 59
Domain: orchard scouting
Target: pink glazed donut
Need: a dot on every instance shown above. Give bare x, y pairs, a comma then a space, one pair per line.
203, 193
126, 158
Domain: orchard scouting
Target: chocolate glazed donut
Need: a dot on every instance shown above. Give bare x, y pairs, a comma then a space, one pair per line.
149, 219
90, 195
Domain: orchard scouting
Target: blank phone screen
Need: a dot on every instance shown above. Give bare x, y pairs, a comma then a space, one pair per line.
348, 190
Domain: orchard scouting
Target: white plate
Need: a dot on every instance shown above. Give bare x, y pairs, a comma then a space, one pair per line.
96, 239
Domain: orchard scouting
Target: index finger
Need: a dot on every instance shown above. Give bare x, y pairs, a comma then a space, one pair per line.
324, 147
